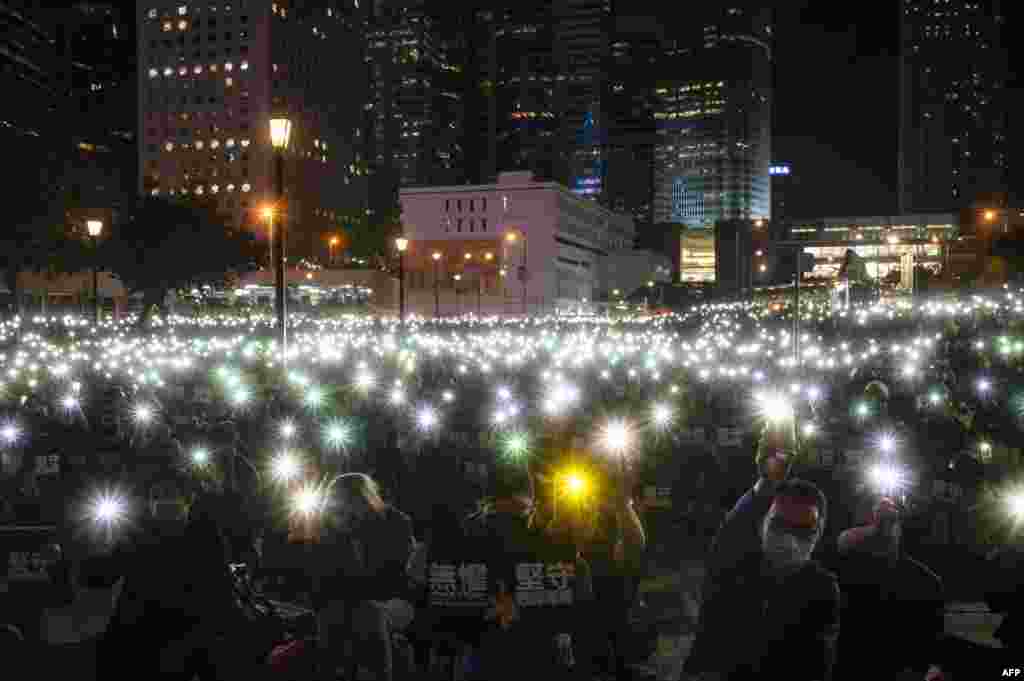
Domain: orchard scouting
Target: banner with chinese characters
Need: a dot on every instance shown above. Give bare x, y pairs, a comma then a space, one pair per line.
462, 584
466, 584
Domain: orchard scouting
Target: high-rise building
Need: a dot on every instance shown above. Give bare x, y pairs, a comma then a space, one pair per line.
68, 75
636, 49
953, 107
712, 110
212, 75
537, 77
783, 183
413, 119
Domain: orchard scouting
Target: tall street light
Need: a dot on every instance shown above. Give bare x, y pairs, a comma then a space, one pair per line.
401, 243
521, 272
458, 307
95, 227
330, 249
280, 133
437, 290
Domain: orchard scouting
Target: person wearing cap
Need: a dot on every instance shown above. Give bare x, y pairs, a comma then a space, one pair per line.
892, 604
768, 610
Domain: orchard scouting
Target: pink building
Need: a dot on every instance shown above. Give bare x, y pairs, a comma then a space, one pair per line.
212, 74
520, 243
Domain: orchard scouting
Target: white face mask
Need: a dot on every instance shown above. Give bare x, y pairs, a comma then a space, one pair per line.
783, 550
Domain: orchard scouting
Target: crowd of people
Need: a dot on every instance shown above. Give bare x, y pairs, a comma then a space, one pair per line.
769, 609
514, 575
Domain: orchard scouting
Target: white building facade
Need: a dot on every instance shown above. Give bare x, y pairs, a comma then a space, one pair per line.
525, 246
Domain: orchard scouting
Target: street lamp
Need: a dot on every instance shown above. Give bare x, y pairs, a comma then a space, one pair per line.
280, 134
95, 227
437, 291
401, 243
331, 243
457, 278
511, 238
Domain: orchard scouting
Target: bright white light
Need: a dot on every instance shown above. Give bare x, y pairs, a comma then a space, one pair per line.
365, 381
288, 430
775, 408
504, 394
307, 501
285, 467
70, 402
984, 385
200, 457
336, 434
813, 392
616, 436
809, 429
661, 415
143, 414
448, 396
314, 397
887, 443
1015, 502
426, 418
886, 477
397, 397
935, 398
108, 509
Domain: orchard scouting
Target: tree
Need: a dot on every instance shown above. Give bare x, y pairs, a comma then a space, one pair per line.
41, 233
372, 237
166, 245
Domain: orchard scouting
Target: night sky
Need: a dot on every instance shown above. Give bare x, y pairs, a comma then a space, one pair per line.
835, 105
836, 102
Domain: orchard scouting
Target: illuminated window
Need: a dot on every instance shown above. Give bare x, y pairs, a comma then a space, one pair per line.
230, 143
168, 26
154, 192
168, 71
246, 187
231, 187
199, 190
182, 10
244, 66
182, 25
152, 14
169, 146
229, 66
214, 144
228, 82
214, 188
182, 71
197, 69
153, 73
199, 145
245, 143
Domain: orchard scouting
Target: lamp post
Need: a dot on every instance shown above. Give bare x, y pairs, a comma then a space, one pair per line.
331, 243
437, 291
95, 227
280, 133
522, 273
401, 243
458, 278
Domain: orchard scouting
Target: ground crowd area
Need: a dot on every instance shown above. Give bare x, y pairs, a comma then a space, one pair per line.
914, 400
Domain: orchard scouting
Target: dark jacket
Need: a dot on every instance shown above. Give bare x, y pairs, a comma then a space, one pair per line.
176, 586
893, 616
1004, 594
753, 625
368, 562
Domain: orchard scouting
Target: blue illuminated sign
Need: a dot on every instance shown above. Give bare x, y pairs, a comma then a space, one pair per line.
779, 170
